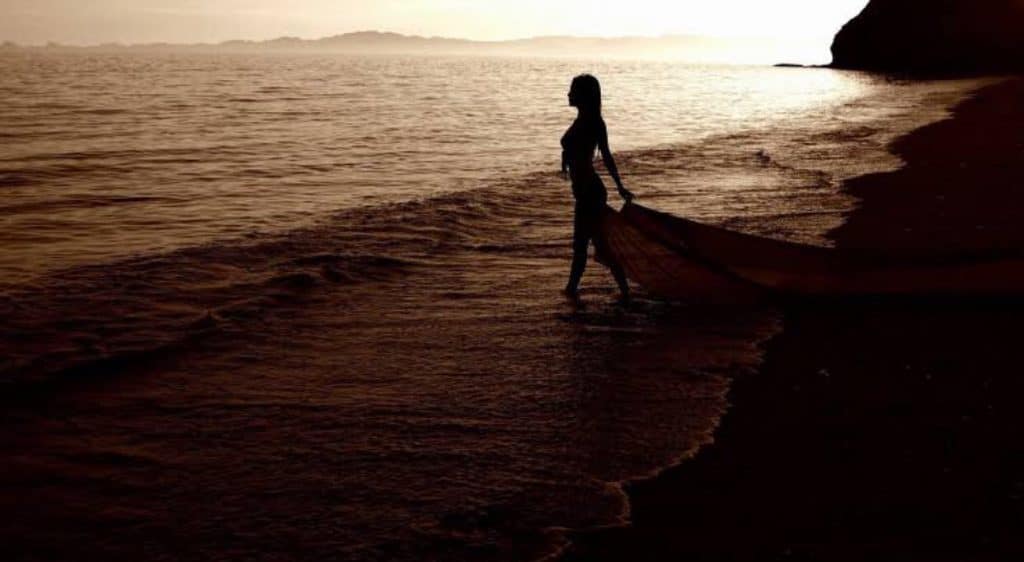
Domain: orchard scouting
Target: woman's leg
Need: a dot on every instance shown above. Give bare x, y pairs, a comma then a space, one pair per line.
581, 231
620, 279
605, 257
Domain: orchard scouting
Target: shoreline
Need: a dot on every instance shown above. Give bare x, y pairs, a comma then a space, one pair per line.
877, 428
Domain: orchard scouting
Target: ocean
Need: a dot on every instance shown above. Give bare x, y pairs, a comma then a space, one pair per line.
268, 306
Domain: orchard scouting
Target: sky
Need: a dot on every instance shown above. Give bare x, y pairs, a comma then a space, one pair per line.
190, 21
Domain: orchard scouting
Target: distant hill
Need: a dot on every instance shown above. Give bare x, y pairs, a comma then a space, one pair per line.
934, 37
686, 47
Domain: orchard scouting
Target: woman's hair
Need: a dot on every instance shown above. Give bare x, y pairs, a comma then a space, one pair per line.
588, 92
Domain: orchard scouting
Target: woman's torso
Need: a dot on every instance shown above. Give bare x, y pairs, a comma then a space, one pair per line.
578, 145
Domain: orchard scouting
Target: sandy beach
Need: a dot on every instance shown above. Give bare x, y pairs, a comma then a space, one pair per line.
876, 429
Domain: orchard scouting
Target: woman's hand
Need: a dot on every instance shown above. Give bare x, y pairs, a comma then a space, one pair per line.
626, 194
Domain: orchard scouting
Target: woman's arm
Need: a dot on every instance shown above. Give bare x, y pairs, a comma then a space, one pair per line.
609, 162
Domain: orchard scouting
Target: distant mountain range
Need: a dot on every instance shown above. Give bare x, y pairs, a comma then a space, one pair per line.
688, 47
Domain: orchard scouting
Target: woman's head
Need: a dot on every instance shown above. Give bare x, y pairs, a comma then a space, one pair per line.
585, 93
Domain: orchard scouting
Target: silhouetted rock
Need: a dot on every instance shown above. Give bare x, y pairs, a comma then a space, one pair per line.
934, 37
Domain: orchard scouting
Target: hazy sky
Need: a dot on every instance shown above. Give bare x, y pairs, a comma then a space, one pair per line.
135, 21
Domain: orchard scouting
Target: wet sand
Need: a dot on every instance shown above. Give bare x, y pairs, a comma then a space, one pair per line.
876, 429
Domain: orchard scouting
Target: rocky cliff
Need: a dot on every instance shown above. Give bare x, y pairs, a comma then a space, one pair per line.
934, 37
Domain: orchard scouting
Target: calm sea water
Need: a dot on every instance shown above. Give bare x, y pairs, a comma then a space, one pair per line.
267, 306
110, 156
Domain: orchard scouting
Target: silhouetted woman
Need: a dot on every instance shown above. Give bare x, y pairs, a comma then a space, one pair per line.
587, 133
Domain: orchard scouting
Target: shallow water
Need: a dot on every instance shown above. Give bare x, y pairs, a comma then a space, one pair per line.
268, 306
